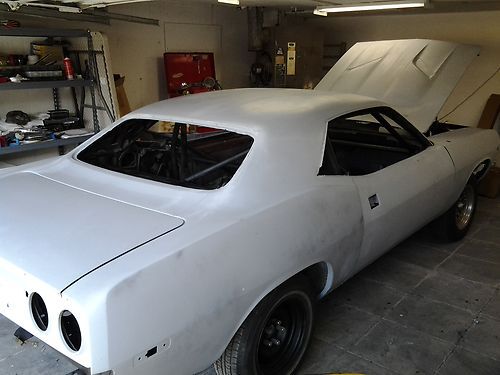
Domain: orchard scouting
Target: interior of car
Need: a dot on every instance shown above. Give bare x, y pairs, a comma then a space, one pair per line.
367, 141
174, 153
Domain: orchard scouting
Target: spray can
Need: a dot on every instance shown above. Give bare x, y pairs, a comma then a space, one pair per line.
68, 68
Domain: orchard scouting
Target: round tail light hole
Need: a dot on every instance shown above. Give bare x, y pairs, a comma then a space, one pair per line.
39, 312
71, 331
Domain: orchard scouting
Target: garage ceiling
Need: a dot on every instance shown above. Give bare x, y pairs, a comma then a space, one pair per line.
432, 5
315, 3
301, 6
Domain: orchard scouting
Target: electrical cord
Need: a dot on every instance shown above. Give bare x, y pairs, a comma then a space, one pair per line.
471, 94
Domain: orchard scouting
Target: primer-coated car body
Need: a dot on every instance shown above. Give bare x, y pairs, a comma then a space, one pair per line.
145, 265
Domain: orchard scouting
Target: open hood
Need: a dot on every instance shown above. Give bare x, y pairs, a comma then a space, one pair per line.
414, 76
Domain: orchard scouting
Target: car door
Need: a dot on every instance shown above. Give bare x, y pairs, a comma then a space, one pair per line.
403, 180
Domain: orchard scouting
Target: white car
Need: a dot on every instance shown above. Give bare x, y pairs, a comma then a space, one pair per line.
156, 248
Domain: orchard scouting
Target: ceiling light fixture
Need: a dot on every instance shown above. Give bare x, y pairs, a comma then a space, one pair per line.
232, 2
381, 5
318, 12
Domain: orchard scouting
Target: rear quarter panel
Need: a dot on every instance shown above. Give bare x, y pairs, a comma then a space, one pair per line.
195, 298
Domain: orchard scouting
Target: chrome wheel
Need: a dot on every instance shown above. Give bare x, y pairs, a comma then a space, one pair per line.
464, 207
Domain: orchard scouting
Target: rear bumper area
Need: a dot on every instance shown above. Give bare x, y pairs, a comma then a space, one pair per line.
19, 294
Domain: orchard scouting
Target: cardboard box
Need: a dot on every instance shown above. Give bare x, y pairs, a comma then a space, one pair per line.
48, 53
490, 184
490, 112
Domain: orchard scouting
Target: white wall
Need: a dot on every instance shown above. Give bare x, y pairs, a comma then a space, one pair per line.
137, 50
479, 28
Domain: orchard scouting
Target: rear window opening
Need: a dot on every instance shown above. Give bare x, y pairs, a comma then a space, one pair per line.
170, 152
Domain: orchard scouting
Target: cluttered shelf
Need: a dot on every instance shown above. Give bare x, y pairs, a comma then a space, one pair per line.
26, 85
62, 59
44, 144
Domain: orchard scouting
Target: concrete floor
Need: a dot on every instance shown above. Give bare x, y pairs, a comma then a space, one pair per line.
424, 308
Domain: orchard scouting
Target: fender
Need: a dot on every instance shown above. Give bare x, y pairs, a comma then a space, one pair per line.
463, 145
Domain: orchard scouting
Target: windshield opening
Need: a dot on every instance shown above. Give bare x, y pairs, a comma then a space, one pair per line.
170, 152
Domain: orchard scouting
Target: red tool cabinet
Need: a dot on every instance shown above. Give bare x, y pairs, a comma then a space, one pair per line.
189, 68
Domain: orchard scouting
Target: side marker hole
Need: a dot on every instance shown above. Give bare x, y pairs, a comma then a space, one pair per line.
151, 352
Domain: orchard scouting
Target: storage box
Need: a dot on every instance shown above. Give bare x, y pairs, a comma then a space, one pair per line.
48, 53
490, 184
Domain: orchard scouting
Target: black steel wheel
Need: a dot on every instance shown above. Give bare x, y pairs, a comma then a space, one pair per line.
274, 337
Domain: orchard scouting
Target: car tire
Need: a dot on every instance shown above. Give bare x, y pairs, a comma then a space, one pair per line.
454, 224
274, 337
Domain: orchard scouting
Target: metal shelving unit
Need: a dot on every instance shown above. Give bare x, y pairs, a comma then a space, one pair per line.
30, 85
43, 145
89, 82
37, 32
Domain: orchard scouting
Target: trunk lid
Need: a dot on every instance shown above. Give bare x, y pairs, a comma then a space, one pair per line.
59, 233
414, 76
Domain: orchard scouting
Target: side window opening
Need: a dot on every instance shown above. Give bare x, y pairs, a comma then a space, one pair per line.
173, 153
365, 142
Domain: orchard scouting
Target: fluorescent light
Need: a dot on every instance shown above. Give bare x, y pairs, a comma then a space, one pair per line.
318, 12
232, 2
373, 6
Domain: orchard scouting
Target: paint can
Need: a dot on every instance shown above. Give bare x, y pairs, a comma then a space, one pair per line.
68, 68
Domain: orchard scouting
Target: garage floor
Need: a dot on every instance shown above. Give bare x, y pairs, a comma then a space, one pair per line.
424, 308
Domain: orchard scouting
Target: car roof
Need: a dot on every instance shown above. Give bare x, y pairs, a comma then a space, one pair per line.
256, 109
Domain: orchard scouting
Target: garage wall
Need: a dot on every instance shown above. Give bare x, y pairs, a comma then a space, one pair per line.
479, 28
309, 52
137, 49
